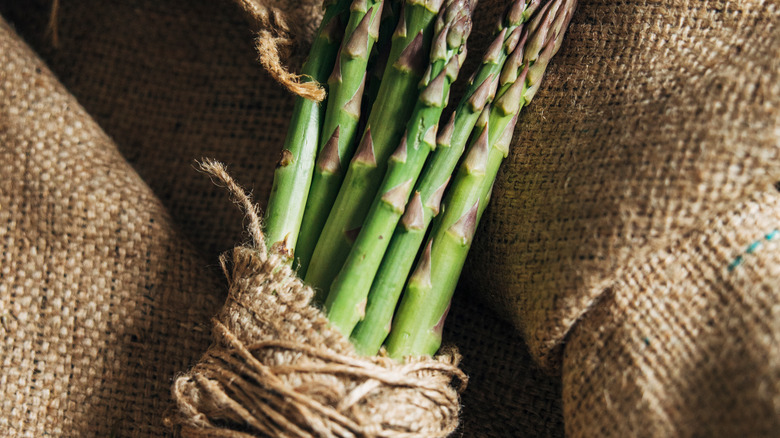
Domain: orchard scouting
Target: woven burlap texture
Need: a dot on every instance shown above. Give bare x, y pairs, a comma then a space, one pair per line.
100, 301
656, 121
654, 118
685, 343
278, 369
173, 81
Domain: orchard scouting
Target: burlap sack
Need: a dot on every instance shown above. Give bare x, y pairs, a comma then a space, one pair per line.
633, 228
641, 174
101, 301
171, 82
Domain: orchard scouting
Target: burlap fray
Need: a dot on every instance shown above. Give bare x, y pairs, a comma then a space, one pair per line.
274, 40
278, 369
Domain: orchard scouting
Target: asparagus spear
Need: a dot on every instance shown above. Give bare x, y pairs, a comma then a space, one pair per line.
347, 297
408, 237
378, 60
339, 129
396, 99
294, 172
418, 323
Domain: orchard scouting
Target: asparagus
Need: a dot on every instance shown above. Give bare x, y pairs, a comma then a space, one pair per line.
347, 296
419, 320
378, 61
396, 99
408, 237
293, 174
339, 128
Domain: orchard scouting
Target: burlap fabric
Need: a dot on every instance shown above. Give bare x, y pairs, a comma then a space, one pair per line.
101, 301
629, 232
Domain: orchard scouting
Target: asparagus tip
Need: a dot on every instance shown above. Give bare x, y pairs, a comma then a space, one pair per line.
439, 327
512, 100
514, 39
333, 30
358, 5
430, 136
373, 30
400, 28
335, 76
502, 144
514, 14
433, 94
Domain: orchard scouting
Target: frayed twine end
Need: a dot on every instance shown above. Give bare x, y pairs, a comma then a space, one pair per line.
270, 43
220, 177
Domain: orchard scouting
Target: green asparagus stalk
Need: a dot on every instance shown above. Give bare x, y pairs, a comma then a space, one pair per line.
389, 282
378, 61
294, 172
396, 99
419, 320
339, 129
347, 298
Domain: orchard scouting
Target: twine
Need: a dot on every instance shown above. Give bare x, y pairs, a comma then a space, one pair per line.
53, 28
274, 40
278, 369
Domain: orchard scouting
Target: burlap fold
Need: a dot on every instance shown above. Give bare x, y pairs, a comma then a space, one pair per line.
653, 138
654, 118
101, 301
685, 343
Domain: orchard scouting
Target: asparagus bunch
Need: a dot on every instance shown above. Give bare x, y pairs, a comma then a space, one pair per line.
364, 222
408, 237
395, 101
419, 319
347, 296
294, 172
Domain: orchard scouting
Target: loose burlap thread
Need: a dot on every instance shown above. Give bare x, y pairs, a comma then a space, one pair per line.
278, 369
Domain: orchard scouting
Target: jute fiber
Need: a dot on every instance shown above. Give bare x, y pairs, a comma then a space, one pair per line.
685, 343
654, 118
171, 82
278, 369
101, 301
639, 174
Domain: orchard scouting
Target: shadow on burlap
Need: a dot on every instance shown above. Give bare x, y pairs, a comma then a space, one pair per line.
628, 239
